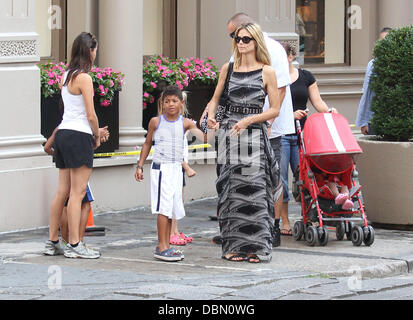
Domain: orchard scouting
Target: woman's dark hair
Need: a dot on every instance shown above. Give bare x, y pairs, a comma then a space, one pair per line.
290, 49
81, 61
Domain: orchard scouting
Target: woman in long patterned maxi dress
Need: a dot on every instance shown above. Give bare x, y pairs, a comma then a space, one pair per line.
249, 177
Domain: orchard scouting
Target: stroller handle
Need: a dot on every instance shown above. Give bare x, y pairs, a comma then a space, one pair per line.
298, 126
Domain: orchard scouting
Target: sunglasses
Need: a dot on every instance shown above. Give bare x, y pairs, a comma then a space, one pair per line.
232, 34
245, 39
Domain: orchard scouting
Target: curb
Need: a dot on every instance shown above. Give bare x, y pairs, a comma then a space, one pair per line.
390, 269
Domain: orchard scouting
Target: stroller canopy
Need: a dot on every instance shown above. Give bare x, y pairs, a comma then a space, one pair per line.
328, 134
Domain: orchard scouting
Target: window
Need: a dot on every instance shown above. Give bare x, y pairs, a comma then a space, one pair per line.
323, 31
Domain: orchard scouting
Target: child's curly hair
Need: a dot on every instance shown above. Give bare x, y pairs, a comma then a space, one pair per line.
173, 91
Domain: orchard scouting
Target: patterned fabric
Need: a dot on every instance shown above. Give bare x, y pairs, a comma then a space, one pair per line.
219, 115
248, 186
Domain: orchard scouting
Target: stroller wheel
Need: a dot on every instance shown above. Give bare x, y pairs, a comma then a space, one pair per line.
368, 236
357, 236
322, 235
350, 226
340, 231
311, 236
298, 230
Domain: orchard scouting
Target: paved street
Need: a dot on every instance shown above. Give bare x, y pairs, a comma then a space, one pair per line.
128, 271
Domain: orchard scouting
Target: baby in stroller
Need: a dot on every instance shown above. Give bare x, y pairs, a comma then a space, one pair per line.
331, 185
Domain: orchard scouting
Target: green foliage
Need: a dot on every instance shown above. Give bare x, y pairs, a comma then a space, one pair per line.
161, 71
106, 81
392, 83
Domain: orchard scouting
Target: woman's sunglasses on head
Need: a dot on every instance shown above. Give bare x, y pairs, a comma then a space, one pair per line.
245, 39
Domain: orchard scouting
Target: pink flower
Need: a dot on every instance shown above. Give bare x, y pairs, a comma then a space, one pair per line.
153, 84
146, 95
99, 76
105, 103
51, 82
102, 88
144, 105
111, 83
179, 84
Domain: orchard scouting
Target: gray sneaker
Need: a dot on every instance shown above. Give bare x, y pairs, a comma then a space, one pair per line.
92, 250
80, 252
53, 249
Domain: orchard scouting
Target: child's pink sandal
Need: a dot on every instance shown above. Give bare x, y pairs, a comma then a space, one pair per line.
187, 239
176, 240
347, 205
341, 198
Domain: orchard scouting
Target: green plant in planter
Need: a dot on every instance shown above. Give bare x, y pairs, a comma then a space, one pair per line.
160, 71
392, 83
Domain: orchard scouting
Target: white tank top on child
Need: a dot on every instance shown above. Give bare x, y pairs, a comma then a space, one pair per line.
74, 116
169, 141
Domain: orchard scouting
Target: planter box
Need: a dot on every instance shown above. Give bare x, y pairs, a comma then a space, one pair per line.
197, 99
108, 116
386, 178
50, 114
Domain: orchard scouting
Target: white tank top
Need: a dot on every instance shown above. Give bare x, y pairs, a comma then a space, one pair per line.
74, 116
169, 141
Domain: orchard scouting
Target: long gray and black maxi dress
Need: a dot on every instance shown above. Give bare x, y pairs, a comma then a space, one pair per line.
249, 175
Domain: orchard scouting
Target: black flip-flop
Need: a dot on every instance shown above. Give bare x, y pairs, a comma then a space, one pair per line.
288, 232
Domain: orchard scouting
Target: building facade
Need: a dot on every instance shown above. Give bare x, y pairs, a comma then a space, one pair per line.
335, 39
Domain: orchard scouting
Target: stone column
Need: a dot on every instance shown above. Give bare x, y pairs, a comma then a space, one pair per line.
27, 178
120, 47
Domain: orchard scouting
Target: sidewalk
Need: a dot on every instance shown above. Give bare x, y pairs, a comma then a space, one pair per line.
127, 269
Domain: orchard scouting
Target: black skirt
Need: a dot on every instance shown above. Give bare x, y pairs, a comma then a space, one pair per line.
73, 149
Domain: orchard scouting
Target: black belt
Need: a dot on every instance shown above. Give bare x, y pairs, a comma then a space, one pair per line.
244, 109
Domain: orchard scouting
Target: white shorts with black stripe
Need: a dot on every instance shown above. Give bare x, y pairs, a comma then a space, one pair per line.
166, 190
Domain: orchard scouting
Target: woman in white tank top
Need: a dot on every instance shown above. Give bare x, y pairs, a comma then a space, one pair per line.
76, 139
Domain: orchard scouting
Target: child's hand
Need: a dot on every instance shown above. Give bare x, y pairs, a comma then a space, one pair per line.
48, 150
139, 174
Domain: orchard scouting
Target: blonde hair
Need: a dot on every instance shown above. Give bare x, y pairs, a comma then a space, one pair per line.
261, 51
184, 109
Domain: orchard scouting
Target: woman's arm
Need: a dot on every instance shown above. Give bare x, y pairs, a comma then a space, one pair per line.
315, 98
146, 148
213, 104
86, 87
316, 101
270, 82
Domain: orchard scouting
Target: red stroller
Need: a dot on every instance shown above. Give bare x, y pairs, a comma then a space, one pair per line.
327, 146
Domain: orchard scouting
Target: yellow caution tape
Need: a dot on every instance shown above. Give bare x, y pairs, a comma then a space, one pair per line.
138, 152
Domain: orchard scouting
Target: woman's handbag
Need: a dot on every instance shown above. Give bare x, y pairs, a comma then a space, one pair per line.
223, 100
